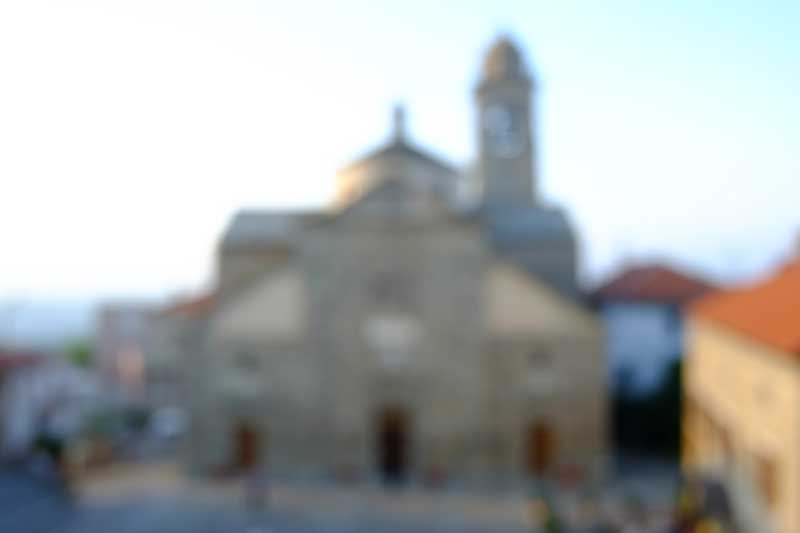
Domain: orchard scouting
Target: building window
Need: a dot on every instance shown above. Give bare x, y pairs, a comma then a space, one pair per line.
246, 362
394, 337
538, 359
763, 394
540, 371
392, 289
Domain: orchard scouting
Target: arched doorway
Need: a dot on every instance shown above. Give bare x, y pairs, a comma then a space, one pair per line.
540, 447
247, 447
392, 444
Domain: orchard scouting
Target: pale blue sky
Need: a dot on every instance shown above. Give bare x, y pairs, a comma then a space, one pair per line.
130, 131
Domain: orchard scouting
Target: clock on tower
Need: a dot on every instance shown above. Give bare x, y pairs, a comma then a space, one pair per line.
502, 138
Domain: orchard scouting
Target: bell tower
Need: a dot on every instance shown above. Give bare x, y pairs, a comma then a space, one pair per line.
507, 147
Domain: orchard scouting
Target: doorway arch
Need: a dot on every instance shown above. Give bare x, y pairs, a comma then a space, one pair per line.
392, 444
247, 447
540, 447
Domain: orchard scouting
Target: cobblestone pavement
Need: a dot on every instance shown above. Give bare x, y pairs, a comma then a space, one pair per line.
30, 506
155, 498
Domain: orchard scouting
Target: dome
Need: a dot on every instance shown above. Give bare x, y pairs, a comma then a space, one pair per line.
504, 61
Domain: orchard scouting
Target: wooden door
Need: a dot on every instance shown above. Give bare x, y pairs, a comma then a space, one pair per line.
539, 448
247, 447
392, 443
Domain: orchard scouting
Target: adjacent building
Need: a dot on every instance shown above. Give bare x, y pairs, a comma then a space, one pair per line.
405, 333
642, 311
175, 337
41, 394
122, 331
742, 397
13, 362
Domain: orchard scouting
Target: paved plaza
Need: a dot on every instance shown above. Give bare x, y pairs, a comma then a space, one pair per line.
148, 498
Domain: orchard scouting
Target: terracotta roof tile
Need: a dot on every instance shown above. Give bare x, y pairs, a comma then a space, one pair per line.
653, 283
11, 358
194, 306
768, 311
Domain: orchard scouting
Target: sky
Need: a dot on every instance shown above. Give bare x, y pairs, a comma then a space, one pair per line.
130, 132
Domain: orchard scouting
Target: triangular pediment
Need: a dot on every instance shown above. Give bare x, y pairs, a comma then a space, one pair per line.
398, 198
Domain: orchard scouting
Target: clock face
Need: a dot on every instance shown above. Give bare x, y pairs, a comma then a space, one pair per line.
502, 137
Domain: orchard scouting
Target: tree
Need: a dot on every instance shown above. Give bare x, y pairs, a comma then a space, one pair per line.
80, 354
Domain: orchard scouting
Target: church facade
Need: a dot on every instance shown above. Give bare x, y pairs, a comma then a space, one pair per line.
408, 331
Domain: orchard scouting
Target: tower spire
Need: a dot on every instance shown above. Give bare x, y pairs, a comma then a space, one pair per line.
399, 123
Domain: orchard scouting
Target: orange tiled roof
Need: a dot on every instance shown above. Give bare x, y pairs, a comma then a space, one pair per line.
194, 306
653, 283
11, 358
768, 311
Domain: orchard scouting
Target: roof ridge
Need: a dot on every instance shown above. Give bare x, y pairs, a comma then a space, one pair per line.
767, 309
